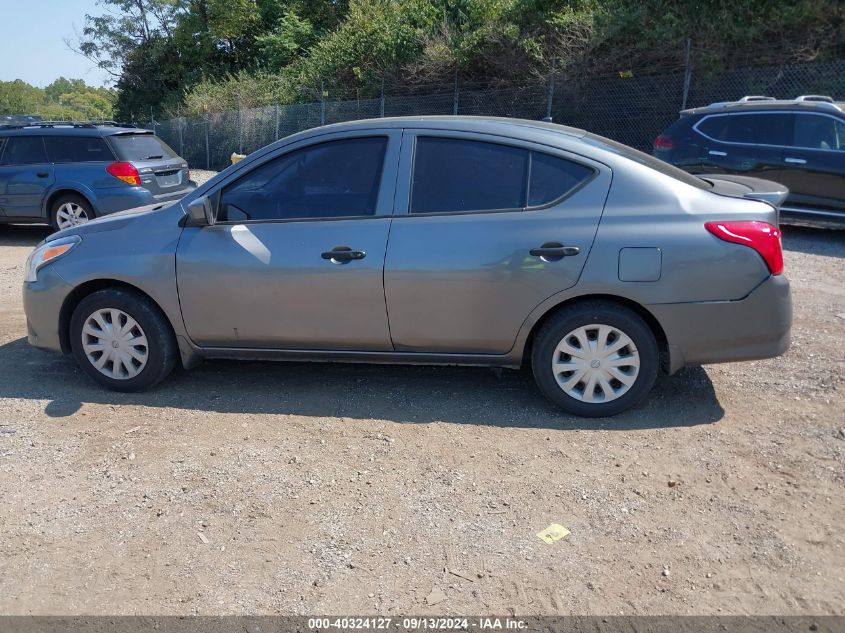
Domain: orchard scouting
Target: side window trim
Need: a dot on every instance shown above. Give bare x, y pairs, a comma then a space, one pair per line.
783, 112
408, 157
384, 198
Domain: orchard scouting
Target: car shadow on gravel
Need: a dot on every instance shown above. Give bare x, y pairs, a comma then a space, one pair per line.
23, 234
406, 394
825, 242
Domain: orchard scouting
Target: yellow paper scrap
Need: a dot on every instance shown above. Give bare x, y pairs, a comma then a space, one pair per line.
553, 533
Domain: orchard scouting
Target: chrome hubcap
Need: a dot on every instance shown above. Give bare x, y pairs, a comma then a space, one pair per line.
115, 344
71, 214
596, 363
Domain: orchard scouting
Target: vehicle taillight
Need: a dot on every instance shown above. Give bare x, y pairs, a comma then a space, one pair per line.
761, 236
663, 142
125, 172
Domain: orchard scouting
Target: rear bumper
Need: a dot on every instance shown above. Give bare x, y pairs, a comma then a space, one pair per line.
755, 327
123, 198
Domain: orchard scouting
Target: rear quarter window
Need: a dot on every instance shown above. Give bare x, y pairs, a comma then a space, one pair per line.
77, 149
140, 147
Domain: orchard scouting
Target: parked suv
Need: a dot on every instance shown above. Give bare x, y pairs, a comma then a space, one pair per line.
69, 173
798, 143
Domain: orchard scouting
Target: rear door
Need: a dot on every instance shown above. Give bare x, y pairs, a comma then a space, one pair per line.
814, 166
162, 171
486, 228
25, 177
745, 143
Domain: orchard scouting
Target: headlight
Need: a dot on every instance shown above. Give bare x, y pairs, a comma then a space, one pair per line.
47, 252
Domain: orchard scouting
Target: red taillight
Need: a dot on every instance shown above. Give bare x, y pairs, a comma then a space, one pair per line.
761, 236
663, 142
125, 172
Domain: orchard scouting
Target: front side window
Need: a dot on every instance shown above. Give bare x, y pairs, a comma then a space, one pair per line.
77, 149
24, 150
457, 175
763, 128
819, 132
329, 180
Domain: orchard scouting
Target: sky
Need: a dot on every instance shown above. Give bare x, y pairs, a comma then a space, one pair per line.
32, 44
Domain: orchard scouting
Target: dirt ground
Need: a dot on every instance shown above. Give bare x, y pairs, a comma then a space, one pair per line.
307, 489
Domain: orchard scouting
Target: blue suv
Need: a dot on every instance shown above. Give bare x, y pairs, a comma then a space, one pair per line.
68, 173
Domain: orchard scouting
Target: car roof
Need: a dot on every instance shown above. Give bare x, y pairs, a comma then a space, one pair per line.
61, 128
503, 125
805, 103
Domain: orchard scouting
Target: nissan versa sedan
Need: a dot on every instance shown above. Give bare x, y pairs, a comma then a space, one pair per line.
434, 240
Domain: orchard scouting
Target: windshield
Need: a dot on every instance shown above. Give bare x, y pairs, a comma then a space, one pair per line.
648, 160
138, 147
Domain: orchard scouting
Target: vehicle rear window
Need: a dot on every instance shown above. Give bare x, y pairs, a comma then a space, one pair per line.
646, 159
753, 128
139, 147
553, 177
24, 150
77, 149
458, 175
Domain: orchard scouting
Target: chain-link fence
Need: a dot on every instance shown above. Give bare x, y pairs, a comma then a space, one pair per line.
629, 107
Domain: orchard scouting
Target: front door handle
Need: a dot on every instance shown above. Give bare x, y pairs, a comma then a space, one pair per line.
342, 254
42, 174
795, 161
715, 152
553, 251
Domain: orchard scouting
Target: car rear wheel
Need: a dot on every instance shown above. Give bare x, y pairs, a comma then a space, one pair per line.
595, 359
122, 340
67, 211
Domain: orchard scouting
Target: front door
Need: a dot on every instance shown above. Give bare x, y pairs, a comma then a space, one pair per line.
488, 231
25, 177
814, 166
296, 258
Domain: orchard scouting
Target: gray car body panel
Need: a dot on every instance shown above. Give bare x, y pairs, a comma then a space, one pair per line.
701, 285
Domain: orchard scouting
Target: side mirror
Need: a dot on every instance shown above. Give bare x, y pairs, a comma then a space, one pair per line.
201, 212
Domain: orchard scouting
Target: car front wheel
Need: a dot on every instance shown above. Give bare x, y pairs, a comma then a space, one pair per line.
595, 359
122, 340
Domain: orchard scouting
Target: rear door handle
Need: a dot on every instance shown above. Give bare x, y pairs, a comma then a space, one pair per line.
553, 251
42, 174
714, 152
795, 161
342, 254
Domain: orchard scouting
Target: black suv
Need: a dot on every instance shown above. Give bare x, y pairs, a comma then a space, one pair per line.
798, 143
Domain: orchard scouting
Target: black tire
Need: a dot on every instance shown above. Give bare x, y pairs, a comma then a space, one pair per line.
65, 199
570, 319
161, 344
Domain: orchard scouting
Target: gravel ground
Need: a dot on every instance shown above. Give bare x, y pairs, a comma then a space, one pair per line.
306, 488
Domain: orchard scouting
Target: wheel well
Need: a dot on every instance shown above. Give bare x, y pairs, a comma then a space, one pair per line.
64, 192
82, 291
648, 317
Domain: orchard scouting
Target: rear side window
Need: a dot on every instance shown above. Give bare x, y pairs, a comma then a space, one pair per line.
328, 180
457, 175
24, 150
140, 147
814, 131
553, 177
763, 128
77, 149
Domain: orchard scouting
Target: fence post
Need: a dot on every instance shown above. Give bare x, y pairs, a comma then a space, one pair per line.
152, 119
381, 104
180, 122
322, 103
551, 94
240, 127
277, 121
687, 73
207, 146
455, 98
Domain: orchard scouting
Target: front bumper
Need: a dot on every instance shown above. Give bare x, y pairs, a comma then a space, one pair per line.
755, 327
42, 303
